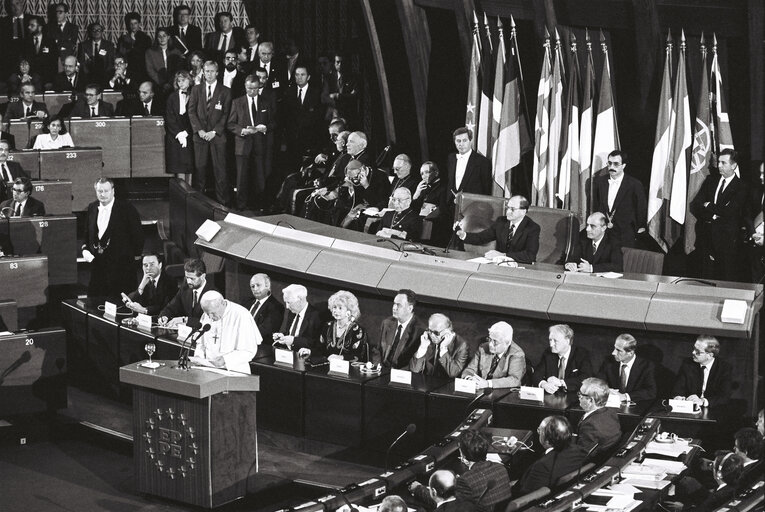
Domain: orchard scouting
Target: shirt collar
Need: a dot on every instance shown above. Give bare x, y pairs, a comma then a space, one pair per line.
616, 180
405, 324
566, 354
107, 207
629, 363
465, 156
709, 364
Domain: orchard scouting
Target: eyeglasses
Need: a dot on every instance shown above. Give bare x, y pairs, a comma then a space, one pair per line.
436, 334
580, 395
19, 190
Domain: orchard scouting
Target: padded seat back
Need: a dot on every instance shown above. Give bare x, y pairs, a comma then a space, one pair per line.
639, 261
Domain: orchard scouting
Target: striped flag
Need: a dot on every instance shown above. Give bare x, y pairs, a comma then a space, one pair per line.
661, 155
568, 185
556, 123
541, 132
722, 128
496, 108
484, 116
606, 131
585, 135
702, 147
474, 92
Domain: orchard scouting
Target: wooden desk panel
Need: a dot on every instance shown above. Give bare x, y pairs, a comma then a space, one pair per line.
9, 314
29, 161
55, 237
112, 135
147, 147
20, 131
24, 279
55, 195
82, 166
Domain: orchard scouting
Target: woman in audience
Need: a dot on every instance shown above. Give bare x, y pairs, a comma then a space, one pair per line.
21, 77
342, 336
196, 61
54, 135
179, 153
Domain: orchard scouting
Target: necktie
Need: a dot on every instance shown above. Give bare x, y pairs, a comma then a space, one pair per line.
18, 28
149, 289
95, 48
146, 111
29, 112
7, 173
561, 368
720, 189
594, 247
193, 299
703, 386
396, 340
37, 44
209, 94
17, 211
253, 110
493, 367
249, 53
255, 308
92, 111
224, 44
623, 378
300, 95
510, 235
183, 33
295, 322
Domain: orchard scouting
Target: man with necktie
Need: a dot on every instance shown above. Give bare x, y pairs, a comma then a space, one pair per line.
154, 291
184, 308
9, 170
186, 36
597, 250
563, 366
442, 352
498, 363
399, 333
467, 170
23, 204
704, 378
92, 105
28, 107
630, 377
302, 323
267, 311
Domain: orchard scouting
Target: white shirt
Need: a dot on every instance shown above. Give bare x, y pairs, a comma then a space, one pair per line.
228, 36
613, 189
459, 173
252, 106
104, 214
183, 98
211, 88
45, 141
719, 189
234, 337
228, 77
298, 320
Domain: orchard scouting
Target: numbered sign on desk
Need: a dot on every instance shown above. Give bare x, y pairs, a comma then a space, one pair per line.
465, 386
400, 377
532, 393
284, 356
337, 365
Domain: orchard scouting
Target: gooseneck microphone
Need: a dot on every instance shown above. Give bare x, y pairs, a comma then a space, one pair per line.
410, 429
474, 401
183, 356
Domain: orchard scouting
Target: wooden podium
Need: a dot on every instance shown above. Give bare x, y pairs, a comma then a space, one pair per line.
194, 433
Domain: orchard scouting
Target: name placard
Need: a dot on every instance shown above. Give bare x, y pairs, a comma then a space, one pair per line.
613, 401
284, 356
110, 309
143, 320
339, 366
684, 406
465, 386
532, 393
183, 332
401, 377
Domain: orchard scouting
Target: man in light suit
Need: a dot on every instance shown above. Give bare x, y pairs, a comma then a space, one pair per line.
517, 236
23, 204
631, 377
267, 311
563, 366
442, 352
599, 428
622, 198
301, 325
185, 307
209, 108
597, 249
498, 363
467, 170
398, 333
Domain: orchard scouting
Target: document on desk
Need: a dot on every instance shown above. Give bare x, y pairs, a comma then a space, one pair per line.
675, 449
646, 484
219, 371
670, 466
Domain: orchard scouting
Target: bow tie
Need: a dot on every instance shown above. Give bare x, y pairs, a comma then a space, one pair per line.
184, 93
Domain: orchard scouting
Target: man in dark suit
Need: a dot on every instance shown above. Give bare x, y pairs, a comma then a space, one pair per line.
96, 54
63, 32
71, 78
468, 171
146, 104
399, 334
13, 28
209, 108
442, 352
718, 207
485, 484
303, 116
252, 122
7, 137
113, 240
597, 249
563, 366
233, 75
430, 200
267, 311
560, 458
185, 307
162, 61
277, 78
9, 170
517, 236
301, 326
704, 379
498, 363
227, 37
28, 107
23, 204
155, 290
92, 106
40, 51
340, 92
630, 377
186, 37
599, 428
622, 198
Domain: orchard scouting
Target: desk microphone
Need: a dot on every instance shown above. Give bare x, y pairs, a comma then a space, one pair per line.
410, 429
394, 244
454, 234
474, 401
279, 223
183, 356
351, 506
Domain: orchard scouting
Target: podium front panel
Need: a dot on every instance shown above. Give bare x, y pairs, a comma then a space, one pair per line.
80, 165
20, 131
147, 147
28, 160
55, 195
104, 353
55, 101
55, 237
24, 279
110, 134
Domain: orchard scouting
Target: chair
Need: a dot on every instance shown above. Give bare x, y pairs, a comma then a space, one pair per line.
638, 261
527, 499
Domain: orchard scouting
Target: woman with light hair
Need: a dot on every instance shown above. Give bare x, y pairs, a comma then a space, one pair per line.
179, 151
342, 337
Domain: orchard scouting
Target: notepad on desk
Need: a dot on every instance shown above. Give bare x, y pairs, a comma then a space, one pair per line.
675, 449
646, 484
670, 466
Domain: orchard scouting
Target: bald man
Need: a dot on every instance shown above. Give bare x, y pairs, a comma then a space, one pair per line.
598, 250
233, 338
403, 222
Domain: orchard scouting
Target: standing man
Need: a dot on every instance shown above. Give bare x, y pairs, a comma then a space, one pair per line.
155, 290
303, 123
398, 333
92, 106
63, 32
498, 363
114, 239
233, 77
563, 366
719, 206
96, 54
186, 37
23, 204
622, 198
40, 51
277, 79
599, 428
184, 308
227, 37
468, 171
442, 352
302, 323
267, 311
629, 376
209, 108
597, 249
340, 92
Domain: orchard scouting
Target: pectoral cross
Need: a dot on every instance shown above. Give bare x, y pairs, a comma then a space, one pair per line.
215, 338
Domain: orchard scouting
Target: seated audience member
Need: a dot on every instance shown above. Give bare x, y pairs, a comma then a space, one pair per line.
122, 78
517, 236
442, 352
196, 62
96, 54
498, 363
485, 484
233, 338
54, 135
162, 61
92, 105
403, 222
184, 308
133, 44
398, 333
748, 444
23, 204
363, 187
28, 107
563, 366
302, 323
727, 469
440, 495
629, 376
402, 170
319, 202
155, 290
561, 456
22, 76
599, 429
392, 503
267, 311
179, 150
9, 170
429, 200
5, 136
342, 337
598, 250
71, 78
704, 378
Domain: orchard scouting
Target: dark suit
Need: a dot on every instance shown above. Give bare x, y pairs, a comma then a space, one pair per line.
237, 83
234, 40
9, 138
473, 486
303, 122
268, 318
690, 379
525, 242
61, 82
17, 110
209, 116
133, 107
181, 304
408, 220
477, 178
159, 73
113, 269
509, 371
601, 427
450, 365
32, 208
436, 193
154, 298
718, 226
95, 66
133, 50
253, 151
630, 207
191, 41
310, 328
12, 46
578, 367
178, 159
82, 109
546, 471
346, 104
608, 257
16, 172
277, 78
407, 346
44, 61
65, 40
641, 383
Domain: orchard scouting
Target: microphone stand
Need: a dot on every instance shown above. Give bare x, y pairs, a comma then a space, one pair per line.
183, 356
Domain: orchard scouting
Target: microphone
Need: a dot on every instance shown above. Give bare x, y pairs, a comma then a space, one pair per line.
279, 223
474, 401
410, 429
183, 356
351, 506
454, 234
394, 244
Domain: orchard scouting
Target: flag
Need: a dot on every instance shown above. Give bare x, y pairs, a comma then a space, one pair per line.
568, 183
702, 147
585, 135
606, 131
556, 123
541, 132
484, 116
661, 156
474, 93
681, 143
722, 128
496, 110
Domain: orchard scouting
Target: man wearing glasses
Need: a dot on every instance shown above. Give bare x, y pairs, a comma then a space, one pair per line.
93, 106
498, 363
599, 428
22, 204
441, 352
517, 236
704, 379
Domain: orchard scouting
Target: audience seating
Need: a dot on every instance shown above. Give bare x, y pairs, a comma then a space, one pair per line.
639, 261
